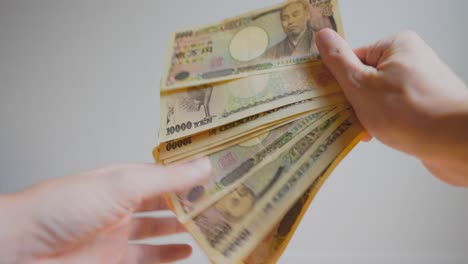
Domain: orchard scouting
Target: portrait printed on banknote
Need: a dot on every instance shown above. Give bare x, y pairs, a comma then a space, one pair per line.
300, 20
261, 41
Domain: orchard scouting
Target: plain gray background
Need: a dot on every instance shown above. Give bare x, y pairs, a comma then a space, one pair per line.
79, 90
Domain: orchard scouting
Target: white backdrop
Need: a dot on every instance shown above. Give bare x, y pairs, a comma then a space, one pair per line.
79, 90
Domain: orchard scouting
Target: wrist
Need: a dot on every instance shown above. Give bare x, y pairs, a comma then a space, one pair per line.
447, 155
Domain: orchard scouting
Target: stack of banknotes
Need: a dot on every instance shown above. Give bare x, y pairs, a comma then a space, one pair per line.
252, 95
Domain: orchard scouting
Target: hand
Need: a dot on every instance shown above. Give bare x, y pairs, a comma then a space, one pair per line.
406, 97
87, 218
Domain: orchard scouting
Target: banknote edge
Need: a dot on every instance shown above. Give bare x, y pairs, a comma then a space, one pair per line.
314, 192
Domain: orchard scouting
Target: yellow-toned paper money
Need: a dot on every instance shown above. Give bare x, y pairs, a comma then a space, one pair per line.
196, 109
251, 94
238, 139
245, 125
215, 226
233, 164
277, 195
216, 146
270, 249
265, 40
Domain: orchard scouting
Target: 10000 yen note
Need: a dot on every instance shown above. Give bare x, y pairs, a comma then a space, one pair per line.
214, 226
261, 41
275, 241
234, 163
270, 249
243, 238
236, 141
196, 109
244, 137
249, 124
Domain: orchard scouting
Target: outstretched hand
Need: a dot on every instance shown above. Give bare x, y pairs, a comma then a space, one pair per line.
87, 218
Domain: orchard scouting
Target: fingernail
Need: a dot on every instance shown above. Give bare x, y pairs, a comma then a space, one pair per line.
325, 37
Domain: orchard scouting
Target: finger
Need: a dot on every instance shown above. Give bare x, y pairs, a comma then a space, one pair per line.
141, 228
342, 61
361, 53
149, 254
186, 175
148, 180
373, 55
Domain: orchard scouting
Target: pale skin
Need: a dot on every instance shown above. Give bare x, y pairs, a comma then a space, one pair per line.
402, 92
87, 218
406, 97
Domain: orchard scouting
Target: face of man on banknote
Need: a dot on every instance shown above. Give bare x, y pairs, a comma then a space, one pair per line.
299, 39
294, 18
321, 15
237, 203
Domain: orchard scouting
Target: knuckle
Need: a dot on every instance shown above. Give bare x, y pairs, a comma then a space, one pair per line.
336, 52
361, 77
356, 78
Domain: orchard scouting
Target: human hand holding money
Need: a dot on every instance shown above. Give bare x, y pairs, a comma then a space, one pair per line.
422, 113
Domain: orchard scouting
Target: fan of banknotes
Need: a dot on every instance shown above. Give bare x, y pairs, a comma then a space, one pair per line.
252, 95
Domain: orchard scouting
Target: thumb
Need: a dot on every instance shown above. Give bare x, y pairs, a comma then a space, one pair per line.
340, 59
